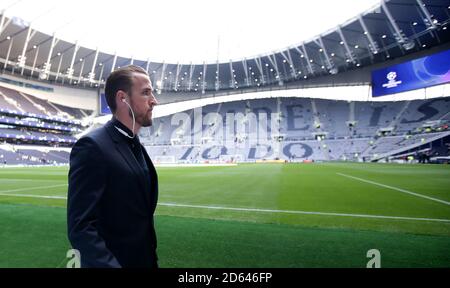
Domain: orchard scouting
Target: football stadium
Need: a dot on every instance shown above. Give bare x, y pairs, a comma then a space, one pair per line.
331, 151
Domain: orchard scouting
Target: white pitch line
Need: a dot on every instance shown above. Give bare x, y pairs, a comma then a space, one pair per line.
303, 212
33, 196
395, 188
32, 188
260, 210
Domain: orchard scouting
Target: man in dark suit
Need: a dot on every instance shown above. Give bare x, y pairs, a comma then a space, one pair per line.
113, 185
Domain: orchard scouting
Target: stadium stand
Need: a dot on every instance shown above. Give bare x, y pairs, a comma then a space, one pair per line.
310, 129
27, 121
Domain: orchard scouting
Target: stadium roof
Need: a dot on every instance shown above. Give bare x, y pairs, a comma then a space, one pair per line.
184, 31
388, 30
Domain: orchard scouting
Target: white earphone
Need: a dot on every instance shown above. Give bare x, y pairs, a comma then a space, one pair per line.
134, 121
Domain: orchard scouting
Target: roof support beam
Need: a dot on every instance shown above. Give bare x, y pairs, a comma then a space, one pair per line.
3, 25
22, 58
161, 80
232, 80
217, 84
177, 74
35, 59
260, 69
301, 56
398, 34
191, 72
11, 41
147, 66
424, 9
114, 62
373, 45
47, 64
275, 65
350, 55
329, 64
204, 78
244, 64
94, 64
100, 80
288, 58
80, 76
308, 61
59, 66
70, 71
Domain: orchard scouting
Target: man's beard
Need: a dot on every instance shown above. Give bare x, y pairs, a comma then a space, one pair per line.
143, 121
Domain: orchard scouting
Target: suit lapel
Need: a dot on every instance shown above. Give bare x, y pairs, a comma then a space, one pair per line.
125, 152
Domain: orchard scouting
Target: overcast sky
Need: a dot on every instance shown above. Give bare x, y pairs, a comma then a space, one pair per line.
185, 31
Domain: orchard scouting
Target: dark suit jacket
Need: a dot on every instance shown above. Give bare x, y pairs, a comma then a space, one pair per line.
111, 202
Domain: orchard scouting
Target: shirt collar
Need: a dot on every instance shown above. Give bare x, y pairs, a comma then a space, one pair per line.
121, 129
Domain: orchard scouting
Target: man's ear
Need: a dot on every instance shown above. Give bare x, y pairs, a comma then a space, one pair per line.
119, 96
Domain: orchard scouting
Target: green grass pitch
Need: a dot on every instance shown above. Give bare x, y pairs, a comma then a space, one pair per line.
254, 215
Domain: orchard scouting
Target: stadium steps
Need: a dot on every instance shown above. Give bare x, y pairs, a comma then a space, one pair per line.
59, 111
37, 106
84, 113
399, 115
11, 103
415, 145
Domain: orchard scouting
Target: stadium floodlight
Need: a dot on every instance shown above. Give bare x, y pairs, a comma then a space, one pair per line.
91, 77
21, 61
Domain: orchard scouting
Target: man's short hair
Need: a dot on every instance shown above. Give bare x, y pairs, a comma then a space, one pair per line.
120, 79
